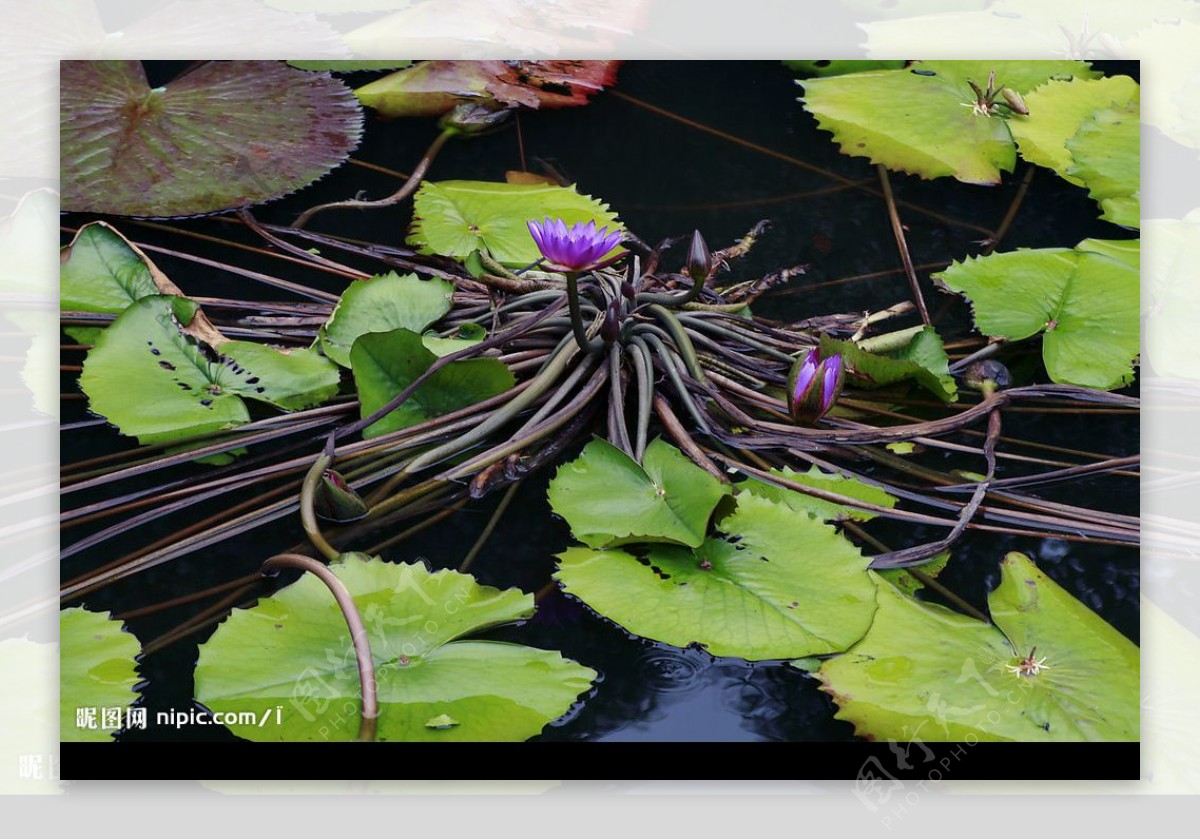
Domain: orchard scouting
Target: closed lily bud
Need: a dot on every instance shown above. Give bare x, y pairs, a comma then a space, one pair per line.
1015, 101
610, 330
699, 262
336, 501
471, 118
814, 386
987, 376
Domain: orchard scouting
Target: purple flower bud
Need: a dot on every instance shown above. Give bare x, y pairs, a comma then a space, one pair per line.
578, 249
699, 262
610, 329
814, 385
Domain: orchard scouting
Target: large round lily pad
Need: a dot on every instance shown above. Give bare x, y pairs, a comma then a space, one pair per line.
1083, 302
921, 120
1049, 669
292, 651
782, 586
228, 134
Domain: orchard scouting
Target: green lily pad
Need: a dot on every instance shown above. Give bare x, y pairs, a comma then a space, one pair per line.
156, 383
467, 335
820, 508
840, 68
925, 671
98, 670
292, 651
608, 499
905, 581
386, 363
1106, 151
921, 121
922, 360
101, 273
228, 134
1084, 303
1128, 251
790, 587
1057, 109
380, 304
454, 218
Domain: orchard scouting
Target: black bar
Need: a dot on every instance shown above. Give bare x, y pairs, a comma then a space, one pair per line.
695, 760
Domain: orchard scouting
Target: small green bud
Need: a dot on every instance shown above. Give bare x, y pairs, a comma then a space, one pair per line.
336, 501
1015, 101
471, 118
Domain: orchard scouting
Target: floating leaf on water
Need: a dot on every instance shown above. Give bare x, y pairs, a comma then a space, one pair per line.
228, 134
789, 587
1048, 670
1085, 303
386, 363
102, 273
432, 88
608, 499
292, 650
383, 303
149, 378
98, 662
921, 120
1057, 109
1106, 151
454, 218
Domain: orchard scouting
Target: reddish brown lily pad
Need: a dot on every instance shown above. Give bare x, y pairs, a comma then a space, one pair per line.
432, 88
227, 135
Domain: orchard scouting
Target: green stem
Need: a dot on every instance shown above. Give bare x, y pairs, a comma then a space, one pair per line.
683, 344
358, 634
668, 360
537, 386
581, 337
308, 490
639, 353
618, 432
705, 325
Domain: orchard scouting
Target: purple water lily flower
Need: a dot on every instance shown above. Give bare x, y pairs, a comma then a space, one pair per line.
814, 385
577, 249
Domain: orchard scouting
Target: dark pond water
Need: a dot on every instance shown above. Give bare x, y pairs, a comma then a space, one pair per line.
665, 177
